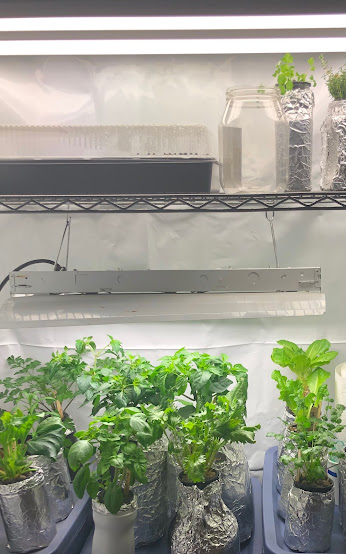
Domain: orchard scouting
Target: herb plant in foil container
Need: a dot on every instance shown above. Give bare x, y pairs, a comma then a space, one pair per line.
109, 458
26, 509
298, 103
203, 523
311, 499
333, 162
115, 378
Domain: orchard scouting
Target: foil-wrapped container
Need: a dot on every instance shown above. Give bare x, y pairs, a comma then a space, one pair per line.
309, 520
114, 533
26, 513
203, 524
342, 493
152, 501
60, 485
287, 484
298, 105
235, 479
286, 448
333, 161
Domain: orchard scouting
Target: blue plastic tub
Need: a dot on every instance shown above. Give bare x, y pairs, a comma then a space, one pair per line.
274, 526
252, 546
71, 533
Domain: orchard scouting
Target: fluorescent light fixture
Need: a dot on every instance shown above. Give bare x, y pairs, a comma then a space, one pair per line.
174, 23
104, 309
170, 46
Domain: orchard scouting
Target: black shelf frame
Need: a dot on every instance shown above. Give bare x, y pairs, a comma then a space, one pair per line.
179, 203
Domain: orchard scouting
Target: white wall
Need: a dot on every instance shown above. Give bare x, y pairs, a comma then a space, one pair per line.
187, 89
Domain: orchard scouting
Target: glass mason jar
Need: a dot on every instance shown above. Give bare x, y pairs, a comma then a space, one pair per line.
253, 142
333, 162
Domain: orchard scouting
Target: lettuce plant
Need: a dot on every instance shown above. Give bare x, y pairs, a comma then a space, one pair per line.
109, 457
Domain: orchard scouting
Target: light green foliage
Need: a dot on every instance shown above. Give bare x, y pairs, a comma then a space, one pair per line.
286, 73
117, 441
313, 438
115, 378
305, 365
336, 82
16, 444
49, 387
195, 440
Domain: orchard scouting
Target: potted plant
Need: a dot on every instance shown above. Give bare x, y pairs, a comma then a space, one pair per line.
109, 458
115, 378
298, 103
195, 440
310, 507
333, 162
24, 501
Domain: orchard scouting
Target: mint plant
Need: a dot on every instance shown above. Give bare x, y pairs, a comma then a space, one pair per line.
49, 387
286, 73
336, 81
109, 457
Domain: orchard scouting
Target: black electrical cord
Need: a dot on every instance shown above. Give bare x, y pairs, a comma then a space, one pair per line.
33, 262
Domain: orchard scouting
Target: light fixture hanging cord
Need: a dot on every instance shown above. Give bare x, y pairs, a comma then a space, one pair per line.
271, 222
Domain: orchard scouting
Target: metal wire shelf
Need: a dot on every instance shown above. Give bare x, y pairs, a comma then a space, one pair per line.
204, 203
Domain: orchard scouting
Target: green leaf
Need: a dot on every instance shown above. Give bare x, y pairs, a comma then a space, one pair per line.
300, 365
289, 85
317, 348
139, 424
294, 348
186, 411
83, 382
324, 359
280, 357
48, 446
316, 379
79, 453
81, 480
93, 487
113, 498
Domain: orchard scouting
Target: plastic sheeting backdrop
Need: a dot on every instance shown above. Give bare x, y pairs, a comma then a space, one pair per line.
185, 89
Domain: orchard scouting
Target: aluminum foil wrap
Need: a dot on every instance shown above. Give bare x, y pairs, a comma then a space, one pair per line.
309, 520
60, 485
236, 486
284, 449
287, 484
298, 106
342, 492
152, 501
173, 470
203, 524
25, 510
333, 162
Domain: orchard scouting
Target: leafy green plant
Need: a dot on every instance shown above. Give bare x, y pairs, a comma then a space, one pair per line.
286, 74
197, 377
18, 439
312, 439
306, 365
49, 387
115, 378
196, 437
336, 81
110, 455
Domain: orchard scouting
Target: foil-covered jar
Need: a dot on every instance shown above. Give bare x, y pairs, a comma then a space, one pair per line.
287, 484
57, 479
285, 448
333, 162
309, 520
152, 501
298, 105
203, 524
235, 478
26, 513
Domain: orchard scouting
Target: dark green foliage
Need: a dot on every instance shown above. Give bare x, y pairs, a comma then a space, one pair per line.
336, 82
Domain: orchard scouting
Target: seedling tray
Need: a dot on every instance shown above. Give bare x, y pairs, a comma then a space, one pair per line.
71, 533
274, 526
252, 546
106, 176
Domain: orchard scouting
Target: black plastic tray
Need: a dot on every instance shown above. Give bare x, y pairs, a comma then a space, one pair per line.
274, 526
71, 533
252, 546
106, 176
